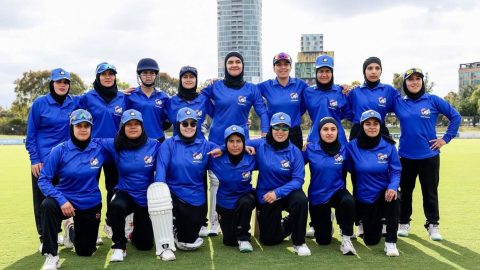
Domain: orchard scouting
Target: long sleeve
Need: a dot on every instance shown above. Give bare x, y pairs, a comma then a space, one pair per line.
260, 109
298, 177
31, 140
48, 173
395, 169
449, 111
163, 161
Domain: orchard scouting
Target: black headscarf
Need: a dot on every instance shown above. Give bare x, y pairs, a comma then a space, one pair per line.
58, 98
107, 93
412, 95
80, 144
187, 94
185, 139
332, 148
322, 86
277, 145
122, 142
367, 62
235, 159
366, 142
236, 82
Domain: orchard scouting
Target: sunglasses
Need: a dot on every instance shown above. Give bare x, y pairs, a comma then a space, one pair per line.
282, 56
81, 116
413, 70
189, 123
282, 128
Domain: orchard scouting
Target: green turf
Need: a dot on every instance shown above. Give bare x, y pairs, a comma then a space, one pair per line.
459, 208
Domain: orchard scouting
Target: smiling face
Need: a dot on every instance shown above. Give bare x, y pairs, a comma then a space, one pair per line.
133, 129
61, 87
107, 78
324, 75
234, 66
280, 132
373, 72
282, 69
82, 131
329, 132
414, 83
371, 127
188, 128
234, 145
189, 80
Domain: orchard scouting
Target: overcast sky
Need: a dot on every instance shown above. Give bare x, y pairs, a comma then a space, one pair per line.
435, 35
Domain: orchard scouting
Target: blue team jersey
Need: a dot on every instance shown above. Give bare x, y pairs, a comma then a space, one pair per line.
106, 116
153, 110
326, 173
183, 166
235, 180
77, 172
232, 106
281, 171
377, 169
47, 126
201, 105
323, 103
418, 119
287, 99
136, 168
381, 99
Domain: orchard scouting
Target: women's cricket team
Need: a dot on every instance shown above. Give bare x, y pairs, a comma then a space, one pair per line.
163, 181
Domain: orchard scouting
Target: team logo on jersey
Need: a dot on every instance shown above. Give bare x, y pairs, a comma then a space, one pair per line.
338, 159
148, 161
242, 100
246, 175
199, 113
382, 158
333, 104
197, 157
294, 97
158, 102
285, 164
118, 110
425, 113
382, 101
94, 163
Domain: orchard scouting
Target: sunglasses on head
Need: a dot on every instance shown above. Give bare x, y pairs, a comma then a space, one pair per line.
413, 70
189, 123
282, 128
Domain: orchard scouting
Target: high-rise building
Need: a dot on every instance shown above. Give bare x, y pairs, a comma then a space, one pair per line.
239, 28
311, 46
469, 74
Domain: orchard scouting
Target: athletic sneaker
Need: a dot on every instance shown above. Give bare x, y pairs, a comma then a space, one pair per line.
403, 230
167, 255
99, 241
60, 239
189, 246
51, 262
67, 226
310, 232
214, 229
245, 246
347, 247
118, 255
302, 250
108, 231
391, 250
434, 232
203, 232
360, 231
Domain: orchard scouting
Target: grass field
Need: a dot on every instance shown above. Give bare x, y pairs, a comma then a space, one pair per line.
459, 208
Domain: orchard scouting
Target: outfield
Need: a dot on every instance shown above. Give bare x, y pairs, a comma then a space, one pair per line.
459, 208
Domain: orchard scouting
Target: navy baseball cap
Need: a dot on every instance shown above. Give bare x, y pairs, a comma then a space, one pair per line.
186, 113
370, 114
104, 66
233, 129
281, 118
79, 116
59, 74
187, 69
131, 115
324, 61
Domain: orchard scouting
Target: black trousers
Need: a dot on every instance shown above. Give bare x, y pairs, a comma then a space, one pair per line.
38, 198
371, 216
111, 180
273, 229
428, 171
85, 230
296, 136
121, 206
235, 223
344, 206
187, 219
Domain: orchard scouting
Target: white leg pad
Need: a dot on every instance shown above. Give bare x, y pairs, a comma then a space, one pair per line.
160, 210
214, 183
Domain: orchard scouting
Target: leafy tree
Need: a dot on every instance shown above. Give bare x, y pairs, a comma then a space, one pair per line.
167, 84
122, 85
453, 99
466, 91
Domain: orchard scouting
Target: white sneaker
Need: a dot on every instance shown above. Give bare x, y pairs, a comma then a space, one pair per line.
60, 239
403, 230
302, 250
203, 232
434, 232
347, 247
168, 255
391, 250
245, 246
108, 231
51, 262
118, 255
359, 231
214, 229
310, 232
129, 226
189, 246
67, 225
99, 241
